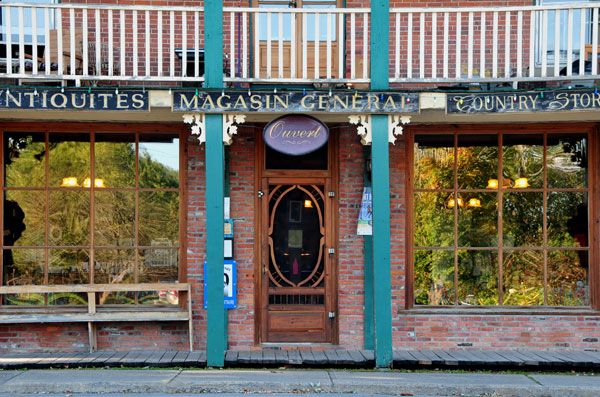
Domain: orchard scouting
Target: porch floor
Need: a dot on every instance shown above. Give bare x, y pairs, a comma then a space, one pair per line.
331, 358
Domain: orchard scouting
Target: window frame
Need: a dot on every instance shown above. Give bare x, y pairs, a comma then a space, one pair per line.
139, 130
593, 217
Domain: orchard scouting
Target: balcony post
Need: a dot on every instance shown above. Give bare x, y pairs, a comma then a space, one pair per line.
214, 153
382, 298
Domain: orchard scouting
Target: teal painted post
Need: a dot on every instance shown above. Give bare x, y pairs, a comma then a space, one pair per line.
381, 188
368, 263
216, 334
381, 242
215, 316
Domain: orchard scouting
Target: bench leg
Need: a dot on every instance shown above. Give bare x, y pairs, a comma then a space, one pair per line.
92, 331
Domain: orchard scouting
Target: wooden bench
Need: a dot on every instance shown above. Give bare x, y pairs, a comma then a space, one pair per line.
93, 312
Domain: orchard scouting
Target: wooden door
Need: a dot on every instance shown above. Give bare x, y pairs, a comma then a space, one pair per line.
291, 39
296, 296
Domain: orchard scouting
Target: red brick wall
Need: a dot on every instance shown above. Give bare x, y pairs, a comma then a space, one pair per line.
437, 331
350, 247
196, 237
241, 183
111, 336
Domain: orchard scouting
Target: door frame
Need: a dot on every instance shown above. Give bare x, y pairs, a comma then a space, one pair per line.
296, 177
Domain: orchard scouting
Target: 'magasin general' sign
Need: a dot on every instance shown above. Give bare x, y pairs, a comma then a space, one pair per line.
295, 134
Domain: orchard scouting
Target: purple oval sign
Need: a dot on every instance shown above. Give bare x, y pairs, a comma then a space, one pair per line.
295, 134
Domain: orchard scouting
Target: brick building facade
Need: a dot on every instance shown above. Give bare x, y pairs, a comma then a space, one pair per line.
451, 274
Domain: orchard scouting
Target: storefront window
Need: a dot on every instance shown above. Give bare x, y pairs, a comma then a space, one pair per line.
501, 219
71, 199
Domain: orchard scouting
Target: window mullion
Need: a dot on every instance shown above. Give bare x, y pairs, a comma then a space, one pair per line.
456, 206
499, 197
545, 218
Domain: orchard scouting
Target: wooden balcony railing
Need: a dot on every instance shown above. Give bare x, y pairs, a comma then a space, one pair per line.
95, 44
500, 44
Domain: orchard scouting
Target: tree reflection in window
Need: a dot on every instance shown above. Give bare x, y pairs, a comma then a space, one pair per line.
57, 221
501, 219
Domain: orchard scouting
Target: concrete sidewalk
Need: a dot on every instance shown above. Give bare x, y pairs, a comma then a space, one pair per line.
293, 381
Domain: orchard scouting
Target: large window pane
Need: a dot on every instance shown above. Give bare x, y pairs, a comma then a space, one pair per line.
568, 278
477, 278
24, 267
114, 266
477, 161
434, 277
523, 157
159, 161
115, 218
523, 219
24, 159
434, 219
24, 217
434, 162
523, 278
478, 220
69, 157
159, 218
567, 158
68, 266
115, 160
567, 219
158, 265
69, 218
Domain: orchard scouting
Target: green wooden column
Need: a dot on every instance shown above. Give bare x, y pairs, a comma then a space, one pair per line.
381, 188
368, 260
214, 154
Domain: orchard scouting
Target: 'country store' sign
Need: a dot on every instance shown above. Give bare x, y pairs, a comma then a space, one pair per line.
507, 102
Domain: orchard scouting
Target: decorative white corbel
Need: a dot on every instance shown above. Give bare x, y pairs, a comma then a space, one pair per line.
394, 127
363, 121
229, 129
198, 126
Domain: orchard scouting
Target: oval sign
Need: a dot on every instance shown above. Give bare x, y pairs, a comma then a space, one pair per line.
295, 134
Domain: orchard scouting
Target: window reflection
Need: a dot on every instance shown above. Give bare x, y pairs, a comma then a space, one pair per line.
523, 157
159, 219
434, 161
477, 160
567, 161
115, 218
539, 202
24, 159
69, 156
69, 218
477, 278
24, 218
129, 206
115, 159
159, 162
434, 277
568, 278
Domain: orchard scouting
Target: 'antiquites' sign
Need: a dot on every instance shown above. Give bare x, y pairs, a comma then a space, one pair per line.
295, 134
73, 99
300, 102
505, 102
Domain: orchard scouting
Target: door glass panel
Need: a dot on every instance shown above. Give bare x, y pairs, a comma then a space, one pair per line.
296, 242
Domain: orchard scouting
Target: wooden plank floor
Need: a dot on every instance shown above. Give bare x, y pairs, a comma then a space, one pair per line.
328, 358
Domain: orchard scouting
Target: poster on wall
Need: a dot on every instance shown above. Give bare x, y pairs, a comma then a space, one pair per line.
229, 285
364, 225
